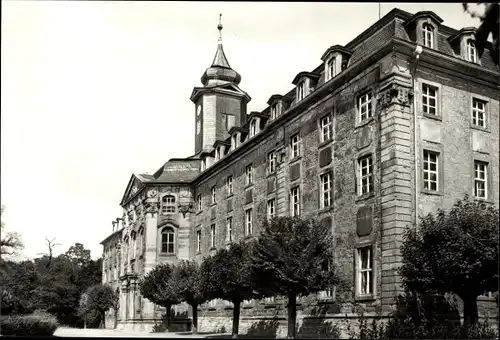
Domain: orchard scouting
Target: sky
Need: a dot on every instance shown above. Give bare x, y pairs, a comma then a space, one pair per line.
94, 91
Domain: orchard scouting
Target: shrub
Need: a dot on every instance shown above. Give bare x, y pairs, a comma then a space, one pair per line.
41, 323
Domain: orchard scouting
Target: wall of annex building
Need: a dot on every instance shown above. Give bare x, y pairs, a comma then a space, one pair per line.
336, 156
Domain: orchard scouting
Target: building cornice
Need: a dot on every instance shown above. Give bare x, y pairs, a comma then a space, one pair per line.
111, 236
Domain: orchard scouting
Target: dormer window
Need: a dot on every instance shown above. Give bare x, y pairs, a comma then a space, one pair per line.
301, 90
217, 154
471, 51
234, 140
330, 69
428, 35
203, 165
253, 128
168, 205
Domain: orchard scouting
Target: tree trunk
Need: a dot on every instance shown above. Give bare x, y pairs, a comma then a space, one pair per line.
470, 313
236, 318
292, 315
116, 317
103, 321
168, 317
194, 326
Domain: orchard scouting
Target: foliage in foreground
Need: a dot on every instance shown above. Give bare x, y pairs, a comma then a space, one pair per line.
40, 324
99, 298
454, 252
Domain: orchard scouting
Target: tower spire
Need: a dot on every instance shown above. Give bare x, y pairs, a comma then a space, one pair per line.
219, 27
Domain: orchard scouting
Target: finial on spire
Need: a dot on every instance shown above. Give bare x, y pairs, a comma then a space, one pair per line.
219, 27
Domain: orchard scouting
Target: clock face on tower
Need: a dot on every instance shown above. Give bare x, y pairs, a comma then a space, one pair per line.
198, 110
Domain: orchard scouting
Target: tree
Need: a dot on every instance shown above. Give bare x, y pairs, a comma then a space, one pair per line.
293, 257
490, 23
226, 275
100, 298
158, 287
454, 252
10, 242
188, 286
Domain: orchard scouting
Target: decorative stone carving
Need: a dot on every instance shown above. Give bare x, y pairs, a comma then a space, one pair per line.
152, 207
185, 208
394, 94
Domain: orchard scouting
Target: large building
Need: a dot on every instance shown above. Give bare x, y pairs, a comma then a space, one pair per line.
401, 121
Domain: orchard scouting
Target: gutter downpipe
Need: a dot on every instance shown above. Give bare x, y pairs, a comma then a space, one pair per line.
416, 54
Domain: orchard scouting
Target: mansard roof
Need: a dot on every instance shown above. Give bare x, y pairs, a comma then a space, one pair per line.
465, 30
335, 48
279, 97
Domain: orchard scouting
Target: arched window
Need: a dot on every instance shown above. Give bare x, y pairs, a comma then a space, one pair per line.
167, 240
134, 245
428, 35
168, 205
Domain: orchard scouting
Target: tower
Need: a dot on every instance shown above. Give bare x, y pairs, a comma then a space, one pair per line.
220, 104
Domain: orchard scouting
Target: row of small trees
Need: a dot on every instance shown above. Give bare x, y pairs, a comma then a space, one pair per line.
292, 257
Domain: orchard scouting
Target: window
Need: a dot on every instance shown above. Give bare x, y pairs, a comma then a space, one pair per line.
365, 181
198, 200
271, 162
229, 229
212, 236
249, 174
330, 69
134, 246
301, 91
115, 273
253, 128
478, 113
428, 35
326, 128
213, 195
198, 241
198, 127
327, 294
217, 154
167, 240
141, 241
229, 185
326, 190
274, 111
480, 180
471, 51
431, 170
294, 146
168, 205
429, 99
365, 106
203, 165
365, 273
248, 222
295, 200
271, 208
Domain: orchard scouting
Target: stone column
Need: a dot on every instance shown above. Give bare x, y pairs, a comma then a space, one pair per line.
150, 235
123, 303
396, 152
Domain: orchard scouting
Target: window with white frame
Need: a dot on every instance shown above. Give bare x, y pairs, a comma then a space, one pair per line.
428, 35
248, 221
198, 202
301, 87
167, 240
478, 113
198, 241
326, 128
326, 190
365, 271
330, 69
234, 141
253, 128
295, 146
295, 201
274, 111
212, 236
271, 208
471, 51
203, 165
365, 175
365, 110
429, 99
249, 174
217, 154
213, 194
480, 180
168, 205
431, 160
229, 229
229, 185
271, 162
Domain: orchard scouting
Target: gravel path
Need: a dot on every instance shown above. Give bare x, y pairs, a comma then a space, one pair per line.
78, 332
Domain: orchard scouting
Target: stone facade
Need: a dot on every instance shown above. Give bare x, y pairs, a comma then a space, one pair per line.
391, 114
